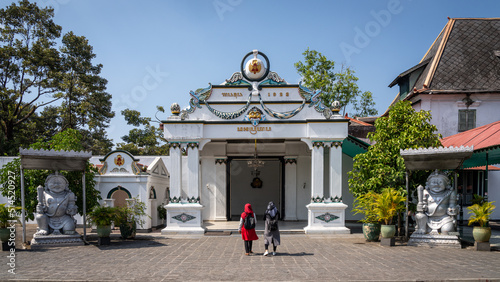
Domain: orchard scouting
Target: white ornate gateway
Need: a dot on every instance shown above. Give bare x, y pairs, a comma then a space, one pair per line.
255, 139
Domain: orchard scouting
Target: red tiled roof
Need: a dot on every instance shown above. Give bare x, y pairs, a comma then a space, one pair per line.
357, 121
490, 167
481, 137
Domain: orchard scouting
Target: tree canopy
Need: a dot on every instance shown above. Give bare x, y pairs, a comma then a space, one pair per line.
317, 72
34, 74
145, 141
69, 139
382, 165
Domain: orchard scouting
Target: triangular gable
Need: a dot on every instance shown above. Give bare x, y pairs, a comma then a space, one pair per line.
157, 167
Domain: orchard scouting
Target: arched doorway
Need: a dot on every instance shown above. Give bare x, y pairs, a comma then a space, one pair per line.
120, 196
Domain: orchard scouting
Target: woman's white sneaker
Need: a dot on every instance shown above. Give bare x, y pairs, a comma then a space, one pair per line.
266, 253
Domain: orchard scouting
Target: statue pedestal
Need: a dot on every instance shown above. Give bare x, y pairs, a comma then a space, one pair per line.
427, 240
41, 241
482, 246
184, 219
388, 242
326, 218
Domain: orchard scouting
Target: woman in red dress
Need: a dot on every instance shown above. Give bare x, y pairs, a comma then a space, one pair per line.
247, 235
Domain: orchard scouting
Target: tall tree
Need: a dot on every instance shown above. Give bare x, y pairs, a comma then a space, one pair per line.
317, 72
86, 104
28, 65
66, 140
34, 74
382, 165
142, 141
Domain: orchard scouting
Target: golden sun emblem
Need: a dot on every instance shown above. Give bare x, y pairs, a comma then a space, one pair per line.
255, 66
119, 161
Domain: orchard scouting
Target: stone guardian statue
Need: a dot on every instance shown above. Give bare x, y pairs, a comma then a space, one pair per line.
56, 207
437, 206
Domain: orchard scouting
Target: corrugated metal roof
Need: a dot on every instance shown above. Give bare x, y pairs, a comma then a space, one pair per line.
486, 142
480, 137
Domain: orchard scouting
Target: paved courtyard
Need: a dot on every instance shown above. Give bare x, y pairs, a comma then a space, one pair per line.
154, 257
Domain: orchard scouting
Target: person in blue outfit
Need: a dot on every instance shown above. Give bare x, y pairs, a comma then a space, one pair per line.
271, 230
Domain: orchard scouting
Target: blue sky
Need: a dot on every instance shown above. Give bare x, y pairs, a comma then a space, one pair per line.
155, 52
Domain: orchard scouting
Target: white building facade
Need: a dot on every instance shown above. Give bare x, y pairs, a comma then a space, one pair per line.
255, 139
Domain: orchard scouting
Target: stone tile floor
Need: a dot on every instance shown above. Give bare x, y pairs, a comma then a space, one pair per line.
156, 257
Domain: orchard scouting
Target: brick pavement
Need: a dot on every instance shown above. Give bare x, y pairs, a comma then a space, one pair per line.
153, 257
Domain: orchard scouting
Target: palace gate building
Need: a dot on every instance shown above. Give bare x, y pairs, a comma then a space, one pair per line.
255, 139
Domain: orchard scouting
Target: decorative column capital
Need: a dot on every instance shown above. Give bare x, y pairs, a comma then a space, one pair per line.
220, 161
174, 145
336, 144
290, 161
318, 144
192, 145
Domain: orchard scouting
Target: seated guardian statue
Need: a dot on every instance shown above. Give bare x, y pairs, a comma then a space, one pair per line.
437, 206
56, 207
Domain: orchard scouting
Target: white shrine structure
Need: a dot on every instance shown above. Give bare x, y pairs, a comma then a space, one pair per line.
254, 139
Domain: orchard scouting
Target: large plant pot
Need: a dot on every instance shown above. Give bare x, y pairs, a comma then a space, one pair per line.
371, 231
481, 234
387, 231
128, 230
4, 234
103, 230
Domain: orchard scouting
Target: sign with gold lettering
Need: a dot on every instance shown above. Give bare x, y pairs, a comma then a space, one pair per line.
253, 130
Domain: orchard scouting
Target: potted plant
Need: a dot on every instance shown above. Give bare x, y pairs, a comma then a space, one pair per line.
365, 205
130, 216
102, 217
480, 215
387, 205
162, 212
7, 215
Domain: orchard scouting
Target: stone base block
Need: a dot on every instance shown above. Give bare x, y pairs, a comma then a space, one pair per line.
5, 247
184, 218
482, 246
326, 218
103, 241
387, 242
41, 241
427, 240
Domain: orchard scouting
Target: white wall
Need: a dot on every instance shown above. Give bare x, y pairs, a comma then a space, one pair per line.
303, 194
494, 192
444, 110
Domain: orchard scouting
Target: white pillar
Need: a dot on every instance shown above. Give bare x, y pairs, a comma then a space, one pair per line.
325, 217
291, 188
220, 189
317, 170
175, 172
336, 170
193, 165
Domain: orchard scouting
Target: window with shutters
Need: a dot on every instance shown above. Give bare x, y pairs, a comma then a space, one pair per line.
466, 120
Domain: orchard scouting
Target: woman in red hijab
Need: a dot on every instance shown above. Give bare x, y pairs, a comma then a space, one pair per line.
247, 235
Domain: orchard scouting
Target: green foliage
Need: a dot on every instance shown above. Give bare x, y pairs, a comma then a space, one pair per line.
317, 72
145, 140
480, 213
133, 212
478, 199
8, 214
33, 69
66, 140
365, 204
162, 211
388, 204
382, 165
102, 216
